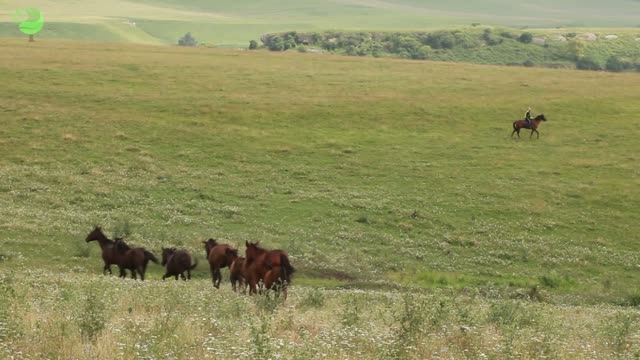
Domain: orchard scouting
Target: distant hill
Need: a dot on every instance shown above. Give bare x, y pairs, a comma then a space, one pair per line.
593, 49
234, 23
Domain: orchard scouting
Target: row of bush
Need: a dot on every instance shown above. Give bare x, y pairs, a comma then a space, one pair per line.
486, 46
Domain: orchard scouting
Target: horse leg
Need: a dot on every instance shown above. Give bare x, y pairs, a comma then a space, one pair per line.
182, 276
188, 274
252, 285
218, 278
537, 134
213, 274
513, 132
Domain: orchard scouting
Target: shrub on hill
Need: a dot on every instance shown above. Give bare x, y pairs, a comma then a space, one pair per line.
617, 64
484, 46
526, 37
587, 63
187, 40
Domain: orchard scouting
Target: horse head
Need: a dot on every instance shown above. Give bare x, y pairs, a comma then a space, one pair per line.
166, 254
540, 117
253, 250
95, 234
209, 244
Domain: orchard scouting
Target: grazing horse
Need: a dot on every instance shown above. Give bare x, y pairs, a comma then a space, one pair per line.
109, 255
134, 259
177, 262
271, 267
533, 125
219, 256
237, 274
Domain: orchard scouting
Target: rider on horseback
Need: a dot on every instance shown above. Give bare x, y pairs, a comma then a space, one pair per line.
527, 117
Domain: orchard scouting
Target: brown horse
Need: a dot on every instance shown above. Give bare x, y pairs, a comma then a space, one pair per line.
109, 255
237, 274
533, 125
134, 259
177, 262
272, 268
219, 256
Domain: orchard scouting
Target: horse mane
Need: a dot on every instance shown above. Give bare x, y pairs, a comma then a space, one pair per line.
121, 246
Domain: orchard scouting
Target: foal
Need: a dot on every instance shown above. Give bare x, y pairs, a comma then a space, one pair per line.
219, 256
237, 274
177, 262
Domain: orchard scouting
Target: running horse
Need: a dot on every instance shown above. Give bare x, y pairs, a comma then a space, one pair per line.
533, 125
109, 255
270, 268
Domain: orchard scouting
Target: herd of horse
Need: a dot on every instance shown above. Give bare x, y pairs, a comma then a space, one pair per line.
258, 269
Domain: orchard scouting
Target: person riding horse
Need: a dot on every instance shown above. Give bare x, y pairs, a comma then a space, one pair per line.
527, 117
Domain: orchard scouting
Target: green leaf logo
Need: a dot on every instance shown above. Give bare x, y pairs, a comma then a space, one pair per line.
30, 20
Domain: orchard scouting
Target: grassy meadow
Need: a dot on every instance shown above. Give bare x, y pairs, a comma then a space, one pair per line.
233, 24
418, 227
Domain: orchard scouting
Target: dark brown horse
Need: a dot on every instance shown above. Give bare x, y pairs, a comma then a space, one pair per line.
134, 259
177, 262
237, 274
272, 268
533, 125
219, 256
109, 255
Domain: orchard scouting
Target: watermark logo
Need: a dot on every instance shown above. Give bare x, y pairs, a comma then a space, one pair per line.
30, 20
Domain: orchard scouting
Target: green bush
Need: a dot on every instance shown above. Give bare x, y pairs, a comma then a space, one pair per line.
526, 38
617, 64
276, 43
187, 40
587, 63
253, 45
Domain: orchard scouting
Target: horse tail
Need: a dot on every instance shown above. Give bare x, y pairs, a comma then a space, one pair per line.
287, 269
149, 256
194, 264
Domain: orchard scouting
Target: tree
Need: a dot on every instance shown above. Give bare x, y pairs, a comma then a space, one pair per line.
253, 45
526, 37
615, 63
187, 40
587, 63
575, 49
276, 43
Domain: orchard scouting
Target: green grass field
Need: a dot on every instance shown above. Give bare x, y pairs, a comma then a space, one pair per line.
389, 182
233, 23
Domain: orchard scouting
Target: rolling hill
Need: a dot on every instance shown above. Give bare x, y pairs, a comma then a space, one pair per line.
416, 224
232, 23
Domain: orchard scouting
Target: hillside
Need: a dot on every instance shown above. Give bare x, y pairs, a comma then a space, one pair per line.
232, 23
587, 49
416, 224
